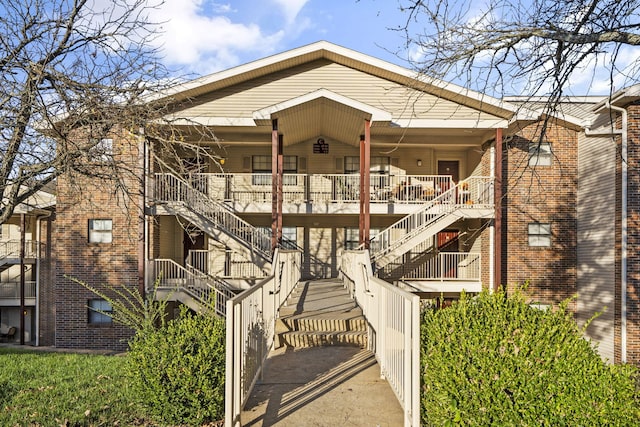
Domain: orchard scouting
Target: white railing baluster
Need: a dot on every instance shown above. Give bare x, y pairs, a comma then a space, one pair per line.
394, 317
251, 328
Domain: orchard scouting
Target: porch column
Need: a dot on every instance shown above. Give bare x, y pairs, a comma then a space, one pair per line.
497, 195
23, 242
365, 166
276, 185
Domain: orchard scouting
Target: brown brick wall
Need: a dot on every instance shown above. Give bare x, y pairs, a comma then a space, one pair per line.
47, 281
545, 194
633, 240
100, 265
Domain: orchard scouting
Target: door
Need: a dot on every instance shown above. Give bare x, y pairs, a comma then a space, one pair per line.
447, 248
449, 167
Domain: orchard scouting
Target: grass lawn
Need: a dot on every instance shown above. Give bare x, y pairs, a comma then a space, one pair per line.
53, 389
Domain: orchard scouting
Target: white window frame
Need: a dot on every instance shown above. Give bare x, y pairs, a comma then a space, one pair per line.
100, 230
540, 154
539, 234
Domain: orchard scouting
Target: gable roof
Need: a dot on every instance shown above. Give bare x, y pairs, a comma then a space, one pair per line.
349, 58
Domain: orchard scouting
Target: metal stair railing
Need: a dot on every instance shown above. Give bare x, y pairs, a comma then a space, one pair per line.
174, 277
470, 193
411, 225
171, 189
197, 262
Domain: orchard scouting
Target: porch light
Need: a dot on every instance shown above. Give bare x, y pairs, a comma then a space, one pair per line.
222, 160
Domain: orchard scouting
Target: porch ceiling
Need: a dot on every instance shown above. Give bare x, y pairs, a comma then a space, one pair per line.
321, 112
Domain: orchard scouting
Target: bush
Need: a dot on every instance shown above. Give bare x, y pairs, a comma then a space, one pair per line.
494, 360
179, 370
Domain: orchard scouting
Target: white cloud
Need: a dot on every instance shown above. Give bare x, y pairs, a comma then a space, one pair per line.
291, 8
205, 44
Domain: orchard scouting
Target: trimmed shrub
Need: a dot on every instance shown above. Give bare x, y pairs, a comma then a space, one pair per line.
178, 370
494, 360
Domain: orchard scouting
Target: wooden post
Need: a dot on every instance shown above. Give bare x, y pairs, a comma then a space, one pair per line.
280, 186
22, 278
497, 194
274, 184
365, 197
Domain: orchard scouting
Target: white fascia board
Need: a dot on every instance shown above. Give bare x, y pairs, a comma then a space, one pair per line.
208, 121
452, 124
376, 114
628, 92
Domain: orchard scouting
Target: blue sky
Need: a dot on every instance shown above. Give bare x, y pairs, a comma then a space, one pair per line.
204, 36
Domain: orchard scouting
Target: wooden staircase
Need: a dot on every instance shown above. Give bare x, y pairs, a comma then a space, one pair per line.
321, 313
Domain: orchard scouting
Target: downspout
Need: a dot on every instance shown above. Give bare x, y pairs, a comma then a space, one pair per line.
38, 257
623, 219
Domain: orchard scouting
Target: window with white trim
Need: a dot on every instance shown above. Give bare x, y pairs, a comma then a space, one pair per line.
261, 164
540, 154
378, 165
100, 311
100, 231
352, 237
539, 234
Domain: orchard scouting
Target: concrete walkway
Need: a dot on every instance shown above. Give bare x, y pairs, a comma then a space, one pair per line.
322, 386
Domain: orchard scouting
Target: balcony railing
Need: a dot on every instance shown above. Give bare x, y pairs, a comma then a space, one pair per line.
448, 266
11, 249
11, 290
319, 188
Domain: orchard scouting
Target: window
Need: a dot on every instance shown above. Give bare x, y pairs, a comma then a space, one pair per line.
99, 312
262, 165
100, 231
378, 165
539, 234
290, 234
101, 150
540, 154
352, 237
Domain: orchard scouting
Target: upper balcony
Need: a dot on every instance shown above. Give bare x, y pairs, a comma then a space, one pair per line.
327, 193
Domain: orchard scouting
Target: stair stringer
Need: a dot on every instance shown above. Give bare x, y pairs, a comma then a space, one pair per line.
411, 242
220, 234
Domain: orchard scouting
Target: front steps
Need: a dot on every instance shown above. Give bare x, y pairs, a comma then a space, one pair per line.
321, 313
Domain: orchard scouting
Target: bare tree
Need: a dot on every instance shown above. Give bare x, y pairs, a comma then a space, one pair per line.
73, 73
524, 47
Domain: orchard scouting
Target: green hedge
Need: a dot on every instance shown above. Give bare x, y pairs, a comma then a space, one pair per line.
179, 370
494, 360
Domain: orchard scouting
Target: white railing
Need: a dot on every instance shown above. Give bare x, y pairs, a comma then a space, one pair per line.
11, 249
11, 290
250, 330
474, 192
235, 265
447, 266
320, 188
174, 277
393, 316
171, 189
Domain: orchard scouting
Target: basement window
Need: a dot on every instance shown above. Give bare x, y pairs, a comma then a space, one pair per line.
100, 231
539, 234
100, 312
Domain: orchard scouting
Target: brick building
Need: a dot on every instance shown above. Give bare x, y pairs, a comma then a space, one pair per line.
326, 149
